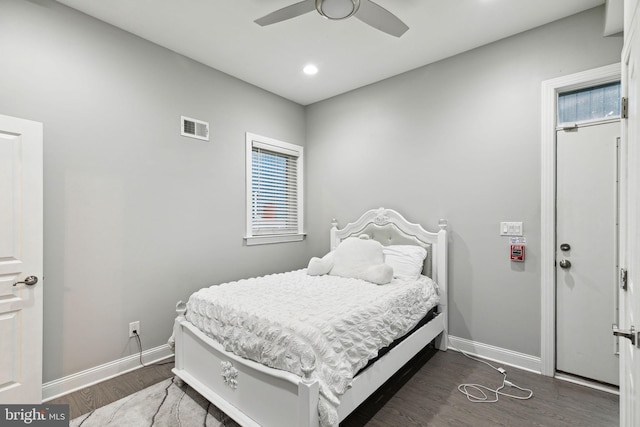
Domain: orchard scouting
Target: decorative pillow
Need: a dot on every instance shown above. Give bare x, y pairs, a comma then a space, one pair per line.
380, 274
361, 259
407, 261
320, 266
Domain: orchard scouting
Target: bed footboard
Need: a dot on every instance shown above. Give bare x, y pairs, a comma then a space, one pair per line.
255, 395
248, 392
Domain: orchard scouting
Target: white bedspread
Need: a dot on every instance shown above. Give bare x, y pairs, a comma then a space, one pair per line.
340, 323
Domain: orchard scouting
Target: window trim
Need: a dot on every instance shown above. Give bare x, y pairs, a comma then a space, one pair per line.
253, 140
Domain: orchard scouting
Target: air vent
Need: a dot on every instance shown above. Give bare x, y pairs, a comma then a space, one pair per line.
194, 128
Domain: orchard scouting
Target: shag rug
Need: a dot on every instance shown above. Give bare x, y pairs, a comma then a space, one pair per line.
165, 404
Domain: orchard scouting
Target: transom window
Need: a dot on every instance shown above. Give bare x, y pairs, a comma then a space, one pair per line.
274, 191
591, 104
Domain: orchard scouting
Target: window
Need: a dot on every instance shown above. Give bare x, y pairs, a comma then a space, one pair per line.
274, 191
591, 104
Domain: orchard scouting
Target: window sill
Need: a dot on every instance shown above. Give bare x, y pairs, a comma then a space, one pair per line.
279, 238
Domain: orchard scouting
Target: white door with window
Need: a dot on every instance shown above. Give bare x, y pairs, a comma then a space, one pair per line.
21, 259
586, 253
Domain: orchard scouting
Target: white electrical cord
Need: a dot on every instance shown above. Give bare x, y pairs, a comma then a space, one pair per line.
480, 396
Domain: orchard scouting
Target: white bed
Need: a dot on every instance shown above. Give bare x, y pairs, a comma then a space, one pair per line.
257, 395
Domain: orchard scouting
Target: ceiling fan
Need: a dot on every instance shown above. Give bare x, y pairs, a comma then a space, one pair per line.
365, 10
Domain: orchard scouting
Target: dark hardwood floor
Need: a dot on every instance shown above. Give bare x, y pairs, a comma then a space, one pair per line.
425, 393
98, 395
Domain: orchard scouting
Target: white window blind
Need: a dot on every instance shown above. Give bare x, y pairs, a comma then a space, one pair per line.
274, 191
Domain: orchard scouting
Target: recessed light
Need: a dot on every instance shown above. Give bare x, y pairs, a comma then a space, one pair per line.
310, 70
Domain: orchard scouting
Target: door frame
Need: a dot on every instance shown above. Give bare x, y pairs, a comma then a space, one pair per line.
550, 90
629, 215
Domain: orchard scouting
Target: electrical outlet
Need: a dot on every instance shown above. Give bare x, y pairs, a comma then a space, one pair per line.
134, 326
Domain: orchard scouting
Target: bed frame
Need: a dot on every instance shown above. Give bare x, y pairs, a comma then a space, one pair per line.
256, 395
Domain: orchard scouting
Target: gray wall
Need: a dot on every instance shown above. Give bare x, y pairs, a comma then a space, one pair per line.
458, 139
136, 216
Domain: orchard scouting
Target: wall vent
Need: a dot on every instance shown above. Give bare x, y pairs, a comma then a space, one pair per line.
194, 128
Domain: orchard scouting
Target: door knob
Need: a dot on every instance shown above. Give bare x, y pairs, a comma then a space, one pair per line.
29, 281
565, 263
565, 247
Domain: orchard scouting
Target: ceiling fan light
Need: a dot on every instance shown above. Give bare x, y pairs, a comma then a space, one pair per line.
337, 9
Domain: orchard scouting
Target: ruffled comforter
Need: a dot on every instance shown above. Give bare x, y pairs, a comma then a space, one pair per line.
285, 320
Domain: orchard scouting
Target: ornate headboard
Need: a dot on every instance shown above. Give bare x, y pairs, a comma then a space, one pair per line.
390, 228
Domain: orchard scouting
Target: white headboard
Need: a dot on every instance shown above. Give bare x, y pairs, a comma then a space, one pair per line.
390, 228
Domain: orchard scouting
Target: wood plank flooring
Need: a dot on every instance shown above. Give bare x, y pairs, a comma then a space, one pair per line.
425, 393
98, 395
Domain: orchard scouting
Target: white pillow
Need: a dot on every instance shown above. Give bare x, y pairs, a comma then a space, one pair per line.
380, 274
361, 259
407, 261
320, 266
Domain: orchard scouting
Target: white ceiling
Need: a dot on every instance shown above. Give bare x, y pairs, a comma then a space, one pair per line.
349, 54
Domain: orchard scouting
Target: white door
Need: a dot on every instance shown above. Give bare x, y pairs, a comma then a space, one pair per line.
630, 226
586, 252
20, 257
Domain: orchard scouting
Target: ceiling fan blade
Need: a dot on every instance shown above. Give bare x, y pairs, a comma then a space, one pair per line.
380, 18
288, 12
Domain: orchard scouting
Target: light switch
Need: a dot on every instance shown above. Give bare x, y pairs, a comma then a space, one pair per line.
511, 229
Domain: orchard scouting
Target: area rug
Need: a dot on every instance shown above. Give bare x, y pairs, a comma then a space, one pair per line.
165, 404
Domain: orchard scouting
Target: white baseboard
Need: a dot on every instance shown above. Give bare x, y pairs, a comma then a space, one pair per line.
496, 354
92, 376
